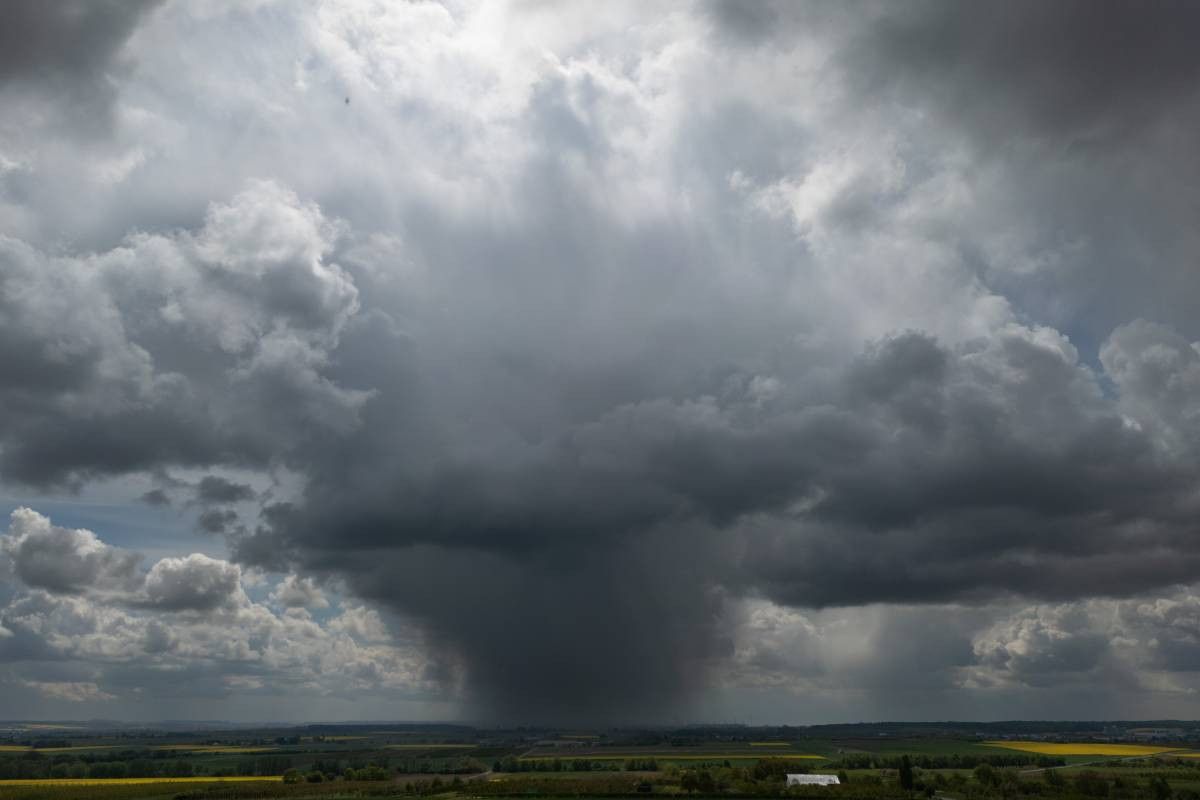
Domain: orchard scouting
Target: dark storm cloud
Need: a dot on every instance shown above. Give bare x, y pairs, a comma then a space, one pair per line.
569, 633
215, 490
1069, 71
996, 469
75, 39
217, 520
156, 497
65, 50
1008, 447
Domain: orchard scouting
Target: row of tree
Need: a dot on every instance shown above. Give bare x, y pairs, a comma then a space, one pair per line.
372, 772
12, 768
97, 765
946, 761
440, 766
514, 764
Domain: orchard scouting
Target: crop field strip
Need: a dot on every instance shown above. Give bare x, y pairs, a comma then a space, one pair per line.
171, 748
1084, 748
136, 781
664, 756
44, 727
214, 748
418, 747
21, 748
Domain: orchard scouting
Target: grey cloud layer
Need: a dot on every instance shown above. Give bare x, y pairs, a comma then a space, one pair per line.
174, 349
570, 350
1134, 657
89, 625
65, 561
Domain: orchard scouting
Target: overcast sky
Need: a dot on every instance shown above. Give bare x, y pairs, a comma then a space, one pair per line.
599, 362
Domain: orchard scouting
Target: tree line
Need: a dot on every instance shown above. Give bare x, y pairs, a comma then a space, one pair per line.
946, 761
107, 766
514, 764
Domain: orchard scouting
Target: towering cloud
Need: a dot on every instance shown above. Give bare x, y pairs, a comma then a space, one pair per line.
613, 362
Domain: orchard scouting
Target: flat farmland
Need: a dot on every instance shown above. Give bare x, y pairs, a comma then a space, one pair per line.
133, 781
912, 747
201, 789
1085, 748
212, 748
430, 747
660, 753
119, 788
166, 748
455, 764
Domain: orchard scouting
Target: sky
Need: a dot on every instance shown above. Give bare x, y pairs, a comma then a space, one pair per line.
599, 363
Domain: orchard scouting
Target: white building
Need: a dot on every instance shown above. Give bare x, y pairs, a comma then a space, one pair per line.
812, 780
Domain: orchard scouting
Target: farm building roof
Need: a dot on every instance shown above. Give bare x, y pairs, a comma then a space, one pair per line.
812, 780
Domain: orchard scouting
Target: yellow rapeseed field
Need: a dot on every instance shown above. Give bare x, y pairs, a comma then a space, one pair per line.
129, 781
77, 747
22, 748
1084, 748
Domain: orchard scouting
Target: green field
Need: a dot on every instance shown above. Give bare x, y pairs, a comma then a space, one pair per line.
897, 747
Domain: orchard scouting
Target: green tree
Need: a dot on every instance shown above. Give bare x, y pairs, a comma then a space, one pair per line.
906, 774
687, 781
374, 772
1091, 784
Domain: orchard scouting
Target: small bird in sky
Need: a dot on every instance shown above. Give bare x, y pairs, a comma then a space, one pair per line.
347, 101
